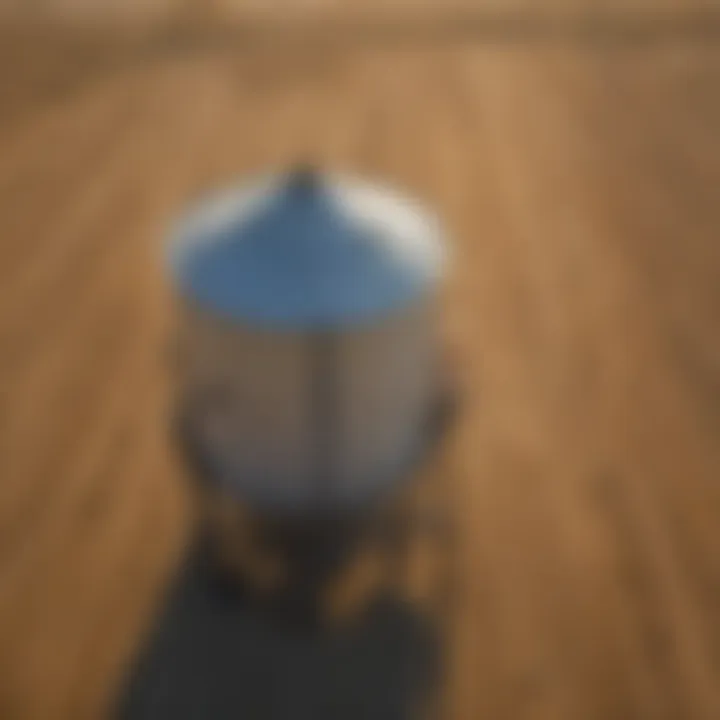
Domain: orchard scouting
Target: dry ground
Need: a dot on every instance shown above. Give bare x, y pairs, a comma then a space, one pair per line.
579, 181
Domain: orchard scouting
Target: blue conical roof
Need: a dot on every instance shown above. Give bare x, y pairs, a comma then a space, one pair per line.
303, 251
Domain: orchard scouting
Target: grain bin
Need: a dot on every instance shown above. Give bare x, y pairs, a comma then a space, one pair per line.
310, 384
309, 335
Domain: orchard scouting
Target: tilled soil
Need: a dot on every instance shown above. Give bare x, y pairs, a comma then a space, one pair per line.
577, 180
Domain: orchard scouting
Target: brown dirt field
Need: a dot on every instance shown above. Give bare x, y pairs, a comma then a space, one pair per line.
578, 180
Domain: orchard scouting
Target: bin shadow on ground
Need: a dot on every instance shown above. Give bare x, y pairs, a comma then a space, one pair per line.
212, 655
